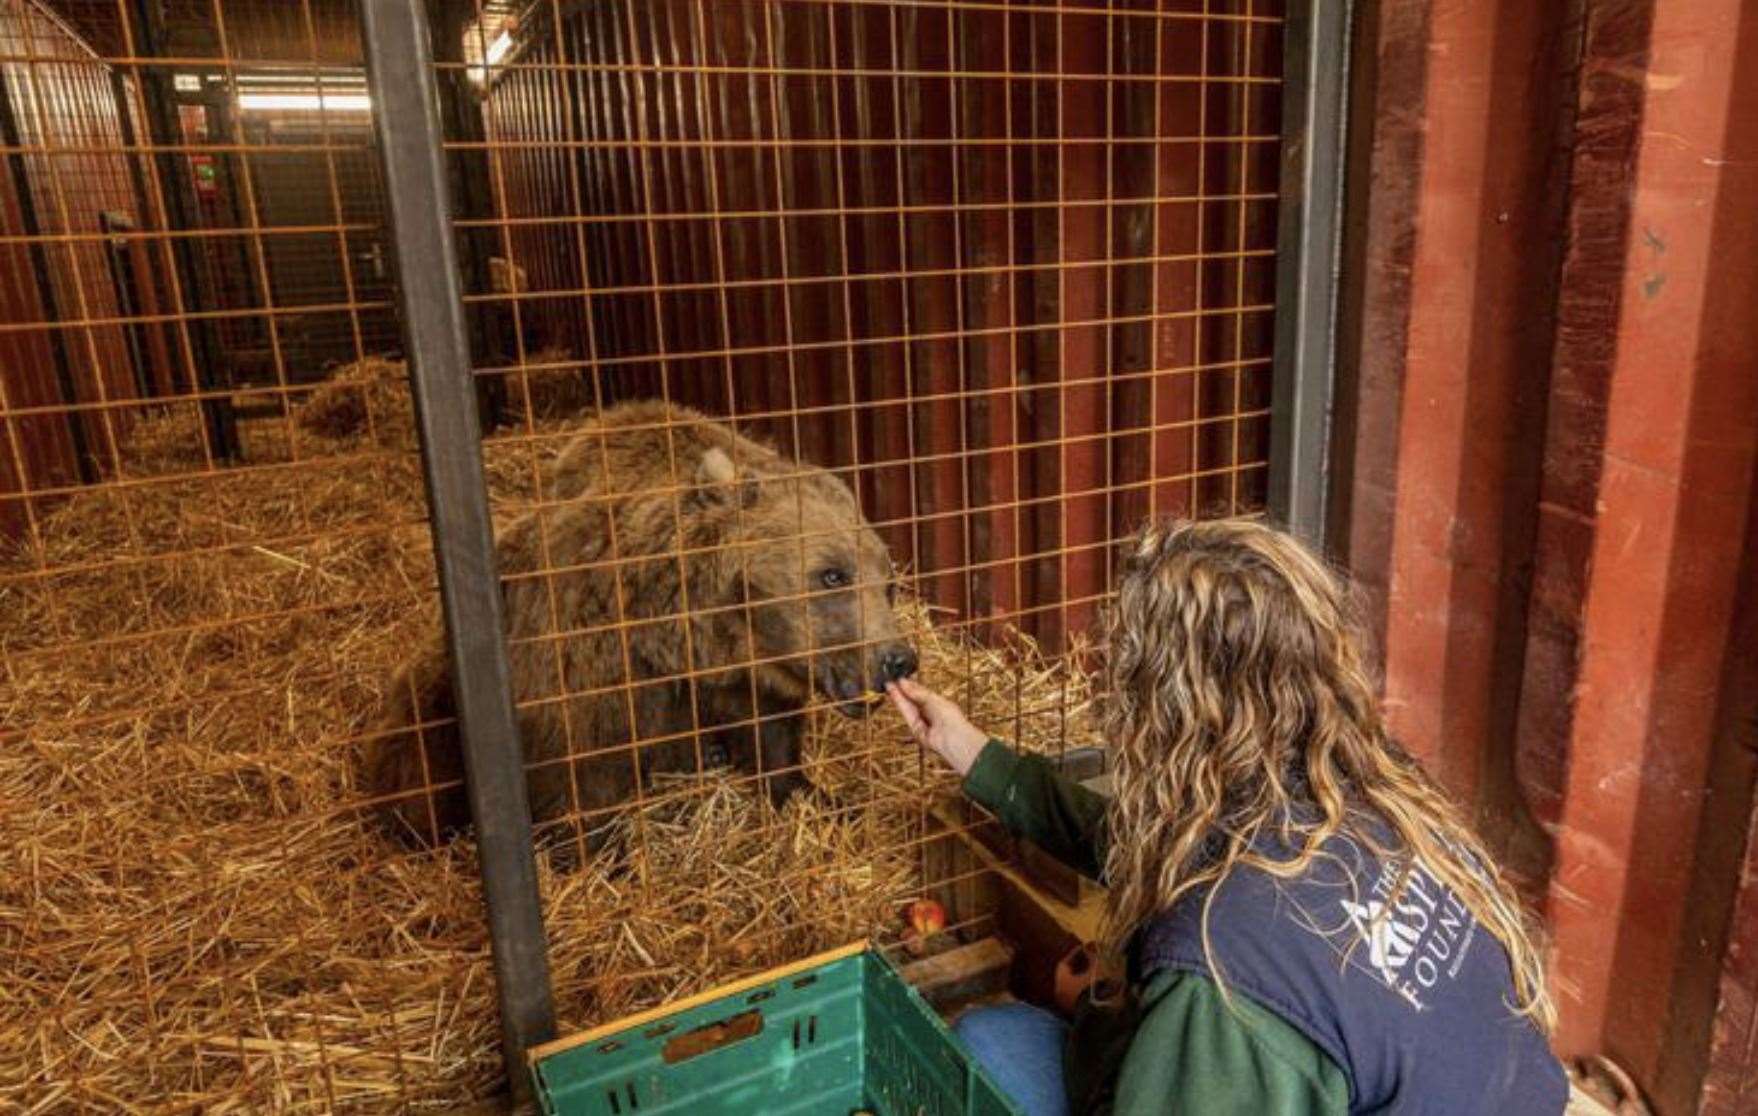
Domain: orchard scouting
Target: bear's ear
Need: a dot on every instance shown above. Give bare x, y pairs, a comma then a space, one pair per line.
717, 482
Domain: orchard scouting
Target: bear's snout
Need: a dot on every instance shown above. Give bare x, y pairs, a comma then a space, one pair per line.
854, 681
896, 663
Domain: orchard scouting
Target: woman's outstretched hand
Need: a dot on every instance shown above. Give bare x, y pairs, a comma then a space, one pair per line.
938, 724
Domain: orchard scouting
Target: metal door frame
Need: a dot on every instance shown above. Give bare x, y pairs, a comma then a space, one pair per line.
406, 108
1315, 95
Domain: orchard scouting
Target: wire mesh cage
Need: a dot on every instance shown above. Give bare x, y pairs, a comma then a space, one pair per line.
813, 342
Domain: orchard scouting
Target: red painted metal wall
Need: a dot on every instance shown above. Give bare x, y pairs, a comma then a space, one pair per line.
1726, 849
1549, 482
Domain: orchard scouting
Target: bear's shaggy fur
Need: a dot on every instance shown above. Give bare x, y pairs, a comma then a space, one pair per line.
686, 590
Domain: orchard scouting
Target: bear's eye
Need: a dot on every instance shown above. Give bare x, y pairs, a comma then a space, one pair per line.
834, 578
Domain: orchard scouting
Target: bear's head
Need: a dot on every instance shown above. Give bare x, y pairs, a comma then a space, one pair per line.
812, 583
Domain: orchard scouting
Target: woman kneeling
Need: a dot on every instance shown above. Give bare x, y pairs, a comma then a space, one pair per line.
1306, 922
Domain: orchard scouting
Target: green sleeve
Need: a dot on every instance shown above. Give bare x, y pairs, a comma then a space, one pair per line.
1196, 1052
1035, 801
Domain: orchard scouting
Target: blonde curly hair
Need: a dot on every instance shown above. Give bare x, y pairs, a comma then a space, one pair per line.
1240, 708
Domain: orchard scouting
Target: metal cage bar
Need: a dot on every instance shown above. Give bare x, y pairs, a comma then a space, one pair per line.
1314, 120
406, 105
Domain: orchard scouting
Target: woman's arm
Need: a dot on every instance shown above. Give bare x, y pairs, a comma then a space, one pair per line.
1029, 796
1035, 801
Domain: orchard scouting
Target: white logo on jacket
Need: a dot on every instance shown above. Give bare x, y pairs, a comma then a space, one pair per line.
1415, 937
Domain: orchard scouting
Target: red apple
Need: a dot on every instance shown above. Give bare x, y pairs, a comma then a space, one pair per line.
924, 918
927, 916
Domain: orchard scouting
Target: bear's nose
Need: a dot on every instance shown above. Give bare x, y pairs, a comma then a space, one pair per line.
895, 663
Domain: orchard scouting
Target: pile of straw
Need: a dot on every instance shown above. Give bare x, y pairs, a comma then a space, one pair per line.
193, 915
368, 400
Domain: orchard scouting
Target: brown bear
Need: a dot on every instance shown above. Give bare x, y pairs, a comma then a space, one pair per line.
686, 590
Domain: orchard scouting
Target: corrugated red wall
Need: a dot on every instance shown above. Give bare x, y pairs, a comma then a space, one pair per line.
1548, 436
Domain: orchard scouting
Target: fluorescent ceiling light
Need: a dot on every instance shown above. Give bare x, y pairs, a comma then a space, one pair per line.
305, 102
497, 50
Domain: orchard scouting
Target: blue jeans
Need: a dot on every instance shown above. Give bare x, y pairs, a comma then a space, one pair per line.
1021, 1048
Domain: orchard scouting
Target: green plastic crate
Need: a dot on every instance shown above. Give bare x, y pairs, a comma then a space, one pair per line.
837, 1034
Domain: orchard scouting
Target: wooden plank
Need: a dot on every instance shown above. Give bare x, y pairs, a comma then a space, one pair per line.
1086, 766
981, 968
1081, 920
1051, 874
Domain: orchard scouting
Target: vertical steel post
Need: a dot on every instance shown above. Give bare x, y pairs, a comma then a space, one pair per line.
126, 287
1314, 121
128, 281
137, 179
182, 214
405, 100
489, 326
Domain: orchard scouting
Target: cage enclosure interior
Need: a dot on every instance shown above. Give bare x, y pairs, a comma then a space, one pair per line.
809, 343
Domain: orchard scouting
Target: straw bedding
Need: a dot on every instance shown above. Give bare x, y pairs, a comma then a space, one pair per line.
369, 399
193, 914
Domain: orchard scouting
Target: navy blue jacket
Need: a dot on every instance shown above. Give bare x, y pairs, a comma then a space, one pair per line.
1413, 999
